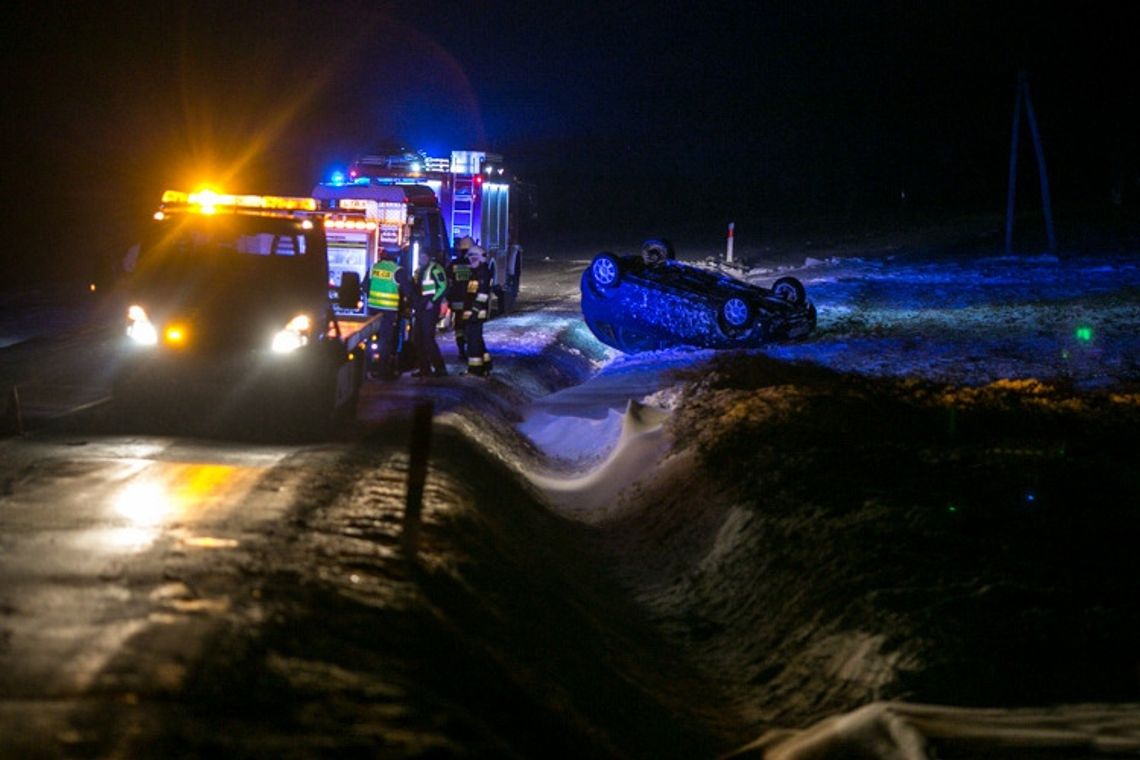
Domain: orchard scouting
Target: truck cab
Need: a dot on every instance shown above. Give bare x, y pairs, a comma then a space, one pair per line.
229, 308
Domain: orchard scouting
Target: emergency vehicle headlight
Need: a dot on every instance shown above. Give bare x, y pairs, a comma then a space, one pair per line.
139, 327
294, 335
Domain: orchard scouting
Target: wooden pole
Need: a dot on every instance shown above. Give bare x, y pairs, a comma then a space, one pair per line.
1022, 94
1046, 201
420, 448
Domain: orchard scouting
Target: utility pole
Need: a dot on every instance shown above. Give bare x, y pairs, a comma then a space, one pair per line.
1022, 96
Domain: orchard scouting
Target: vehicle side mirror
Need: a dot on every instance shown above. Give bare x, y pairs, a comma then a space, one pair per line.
348, 294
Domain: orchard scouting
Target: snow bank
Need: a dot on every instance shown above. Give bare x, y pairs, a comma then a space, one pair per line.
641, 445
903, 731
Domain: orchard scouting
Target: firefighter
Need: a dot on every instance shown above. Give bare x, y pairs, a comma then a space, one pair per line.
430, 288
458, 273
475, 310
387, 295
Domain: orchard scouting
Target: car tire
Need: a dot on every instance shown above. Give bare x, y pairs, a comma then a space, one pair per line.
789, 289
605, 271
655, 252
735, 315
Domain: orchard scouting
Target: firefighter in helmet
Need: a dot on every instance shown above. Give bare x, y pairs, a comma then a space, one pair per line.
476, 308
458, 274
387, 296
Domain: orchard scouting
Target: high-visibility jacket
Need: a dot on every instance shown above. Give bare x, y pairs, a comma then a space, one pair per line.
476, 304
433, 282
384, 286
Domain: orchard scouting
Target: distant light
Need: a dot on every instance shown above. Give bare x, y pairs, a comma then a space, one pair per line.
307, 224
1084, 333
159, 216
91, 287
415, 166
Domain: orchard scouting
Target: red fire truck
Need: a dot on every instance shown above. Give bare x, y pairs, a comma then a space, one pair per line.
474, 192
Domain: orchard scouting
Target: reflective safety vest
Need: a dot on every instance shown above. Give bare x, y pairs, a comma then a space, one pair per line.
433, 282
383, 289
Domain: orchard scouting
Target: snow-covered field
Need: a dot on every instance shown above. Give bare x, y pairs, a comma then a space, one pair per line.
932, 498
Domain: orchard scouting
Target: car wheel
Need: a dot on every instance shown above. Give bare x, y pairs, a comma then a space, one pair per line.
656, 251
735, 315
605, 270
789, 289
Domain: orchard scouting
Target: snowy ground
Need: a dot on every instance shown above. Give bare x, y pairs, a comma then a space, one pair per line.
930, 500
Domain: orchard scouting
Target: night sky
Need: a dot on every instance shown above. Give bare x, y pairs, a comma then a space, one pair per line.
667, 118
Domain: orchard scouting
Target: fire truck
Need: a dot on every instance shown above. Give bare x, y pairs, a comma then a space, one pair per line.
230, 318
474, 193
363, 221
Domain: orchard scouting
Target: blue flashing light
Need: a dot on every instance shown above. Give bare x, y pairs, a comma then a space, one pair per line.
337, 178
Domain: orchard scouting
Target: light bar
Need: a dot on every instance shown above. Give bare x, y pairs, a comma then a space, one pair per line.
349, 224
207, 201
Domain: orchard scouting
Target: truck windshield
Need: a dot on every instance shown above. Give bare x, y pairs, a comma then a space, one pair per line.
215, 251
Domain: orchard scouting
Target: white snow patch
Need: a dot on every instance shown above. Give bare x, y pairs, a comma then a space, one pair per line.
641, 445
905, 731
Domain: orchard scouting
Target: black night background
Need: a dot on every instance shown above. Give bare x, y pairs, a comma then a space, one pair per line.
665, 119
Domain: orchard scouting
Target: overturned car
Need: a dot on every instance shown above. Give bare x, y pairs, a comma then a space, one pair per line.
652, 301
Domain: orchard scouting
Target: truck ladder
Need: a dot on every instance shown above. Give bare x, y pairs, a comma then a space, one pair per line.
462, 207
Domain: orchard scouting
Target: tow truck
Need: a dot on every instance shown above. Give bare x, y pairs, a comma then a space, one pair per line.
476, 197
230, 318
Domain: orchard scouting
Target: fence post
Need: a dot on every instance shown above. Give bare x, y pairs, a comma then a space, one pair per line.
419, 450
13, 416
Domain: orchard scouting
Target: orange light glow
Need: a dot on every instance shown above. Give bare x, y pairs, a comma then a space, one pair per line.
175, 335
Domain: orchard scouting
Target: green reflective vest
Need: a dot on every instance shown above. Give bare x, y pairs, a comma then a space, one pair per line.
433, 282
383, 289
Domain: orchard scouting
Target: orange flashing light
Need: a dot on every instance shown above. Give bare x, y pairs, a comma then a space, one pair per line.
209, 202
175, 335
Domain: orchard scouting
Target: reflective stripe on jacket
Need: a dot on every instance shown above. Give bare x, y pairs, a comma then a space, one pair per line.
384, 287
433, 282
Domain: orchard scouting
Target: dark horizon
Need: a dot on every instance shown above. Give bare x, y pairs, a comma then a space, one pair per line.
776, 115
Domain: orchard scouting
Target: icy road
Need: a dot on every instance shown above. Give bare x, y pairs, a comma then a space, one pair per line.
676, 554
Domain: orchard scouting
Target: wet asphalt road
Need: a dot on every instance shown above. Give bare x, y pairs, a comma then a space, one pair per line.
170, 596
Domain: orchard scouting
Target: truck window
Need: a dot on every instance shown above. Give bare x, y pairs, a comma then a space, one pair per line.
267, 244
